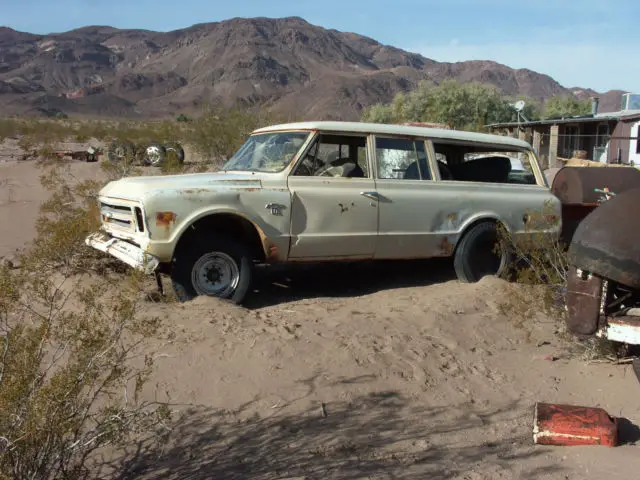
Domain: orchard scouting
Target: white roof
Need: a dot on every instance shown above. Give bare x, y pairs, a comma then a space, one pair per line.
381, 128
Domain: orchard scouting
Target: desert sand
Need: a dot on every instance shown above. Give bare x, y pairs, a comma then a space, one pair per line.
371, 371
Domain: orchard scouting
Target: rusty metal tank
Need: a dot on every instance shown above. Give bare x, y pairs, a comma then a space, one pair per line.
575, 187
607, 241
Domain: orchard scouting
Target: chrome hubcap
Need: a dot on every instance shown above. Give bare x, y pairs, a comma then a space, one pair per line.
215, 274
153, 155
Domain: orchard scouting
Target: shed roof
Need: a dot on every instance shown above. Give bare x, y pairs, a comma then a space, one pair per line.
616, 116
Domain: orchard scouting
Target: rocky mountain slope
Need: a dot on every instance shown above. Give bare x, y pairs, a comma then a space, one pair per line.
292, 66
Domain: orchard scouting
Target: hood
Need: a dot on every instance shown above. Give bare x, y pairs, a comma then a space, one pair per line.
137, 188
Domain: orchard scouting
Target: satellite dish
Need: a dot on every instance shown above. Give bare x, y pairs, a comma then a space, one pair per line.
519, 105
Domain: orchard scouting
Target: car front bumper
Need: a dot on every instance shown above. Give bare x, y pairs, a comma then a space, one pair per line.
126, 252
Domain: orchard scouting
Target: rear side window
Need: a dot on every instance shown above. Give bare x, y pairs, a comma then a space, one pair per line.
473, 163
401, 159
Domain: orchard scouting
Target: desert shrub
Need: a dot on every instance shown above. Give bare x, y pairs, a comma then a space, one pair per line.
218, 133
172, 164
540, 265
65, 219
72, 368
8, 129
540, 272
73, 358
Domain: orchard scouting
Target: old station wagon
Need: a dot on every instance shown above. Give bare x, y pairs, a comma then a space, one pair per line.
326, 191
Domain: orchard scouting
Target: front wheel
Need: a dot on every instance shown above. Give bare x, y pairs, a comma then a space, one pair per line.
480, 253
220, 267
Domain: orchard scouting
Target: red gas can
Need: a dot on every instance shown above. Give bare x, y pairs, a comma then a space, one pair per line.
573, 425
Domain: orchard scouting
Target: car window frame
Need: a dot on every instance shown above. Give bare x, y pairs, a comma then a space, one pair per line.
413, 138
313, 141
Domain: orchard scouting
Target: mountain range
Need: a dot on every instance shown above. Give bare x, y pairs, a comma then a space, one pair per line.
286, 64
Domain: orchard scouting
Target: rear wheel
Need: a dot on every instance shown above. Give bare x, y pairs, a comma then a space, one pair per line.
175, 152
220, 267
479, 254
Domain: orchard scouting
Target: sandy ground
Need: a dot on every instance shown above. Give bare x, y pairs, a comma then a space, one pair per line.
384, 371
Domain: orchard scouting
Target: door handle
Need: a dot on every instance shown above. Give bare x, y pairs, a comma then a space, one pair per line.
371, 195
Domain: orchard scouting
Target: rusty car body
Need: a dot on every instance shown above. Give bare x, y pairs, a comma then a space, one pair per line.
326, 191
603, 287
580, 190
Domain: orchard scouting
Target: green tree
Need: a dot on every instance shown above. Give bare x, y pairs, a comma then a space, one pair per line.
378, 113
468, 106
565, 106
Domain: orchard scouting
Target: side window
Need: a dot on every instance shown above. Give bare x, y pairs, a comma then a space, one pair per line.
401, 159
335, 156
474, 163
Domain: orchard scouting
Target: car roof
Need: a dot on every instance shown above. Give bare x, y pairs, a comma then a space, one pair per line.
382, 128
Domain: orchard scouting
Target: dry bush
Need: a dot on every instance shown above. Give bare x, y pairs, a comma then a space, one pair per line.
8, 129
215, 135
72, 357
172, 165
218, 133
118, 170
540, 270
65, 219
539, 265
71, 373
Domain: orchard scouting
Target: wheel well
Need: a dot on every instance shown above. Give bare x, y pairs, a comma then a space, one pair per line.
477, 222
228, 224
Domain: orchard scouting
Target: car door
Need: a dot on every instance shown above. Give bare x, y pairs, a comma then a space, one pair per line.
407, 206
334, 213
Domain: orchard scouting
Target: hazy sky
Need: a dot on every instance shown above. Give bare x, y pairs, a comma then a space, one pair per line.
586, 43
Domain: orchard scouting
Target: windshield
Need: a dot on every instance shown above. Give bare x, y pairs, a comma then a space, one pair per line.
267, 152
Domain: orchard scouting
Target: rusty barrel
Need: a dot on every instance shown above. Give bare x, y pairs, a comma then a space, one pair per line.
573, 425
575, 187
607, 241
584, 296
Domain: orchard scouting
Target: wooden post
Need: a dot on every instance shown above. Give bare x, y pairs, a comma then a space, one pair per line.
537, 145
537, 141
553, 146
522, 135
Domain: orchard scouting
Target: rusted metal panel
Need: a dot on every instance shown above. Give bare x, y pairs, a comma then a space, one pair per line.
576, 188
576, 185
584, 296
571, 425
606, 242
623, 329
165, 219
620, 140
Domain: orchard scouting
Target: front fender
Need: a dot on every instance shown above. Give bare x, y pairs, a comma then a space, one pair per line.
169, 227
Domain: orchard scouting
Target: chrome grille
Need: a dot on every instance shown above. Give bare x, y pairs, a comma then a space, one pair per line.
118, 215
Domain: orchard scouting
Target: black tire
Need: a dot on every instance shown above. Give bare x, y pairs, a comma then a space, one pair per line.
475, 256
175, 149
189, 256
121, 151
